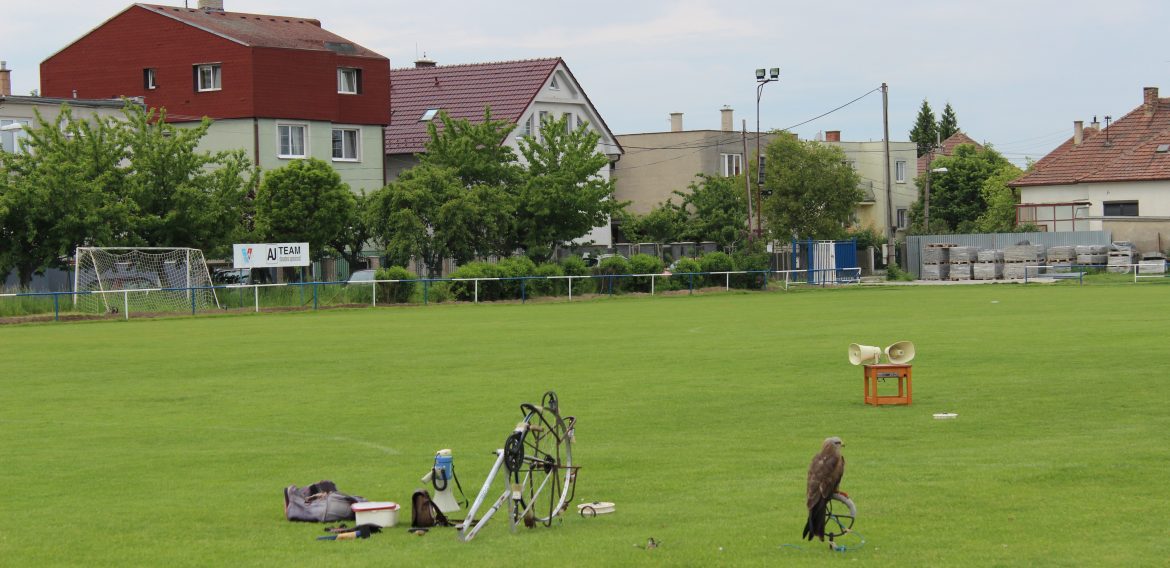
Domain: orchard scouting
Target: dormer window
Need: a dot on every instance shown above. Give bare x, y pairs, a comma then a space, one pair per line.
207, 77
429, 114
349, 81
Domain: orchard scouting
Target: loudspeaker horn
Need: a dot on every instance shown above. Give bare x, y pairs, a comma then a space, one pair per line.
900, 352
859, 354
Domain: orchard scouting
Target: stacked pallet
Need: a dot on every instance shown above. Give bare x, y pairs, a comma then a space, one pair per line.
1121, 256
1153, 263
1061, 258
961, 261
1021, 261
936, 261
1092, 255
988, 265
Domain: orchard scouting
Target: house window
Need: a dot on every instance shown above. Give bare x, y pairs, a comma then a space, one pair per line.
526, 127
901, 218
568, 122
10, 137
345, 144
581, 121
291, 140
554, 85
900, 171
207, 77
429, 114
148, 79
349, 80
1054, 216
1121, 208
732, 164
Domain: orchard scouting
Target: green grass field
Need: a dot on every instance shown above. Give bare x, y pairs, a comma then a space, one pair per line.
167, 442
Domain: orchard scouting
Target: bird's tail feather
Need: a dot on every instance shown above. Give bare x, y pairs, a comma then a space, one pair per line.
815, 526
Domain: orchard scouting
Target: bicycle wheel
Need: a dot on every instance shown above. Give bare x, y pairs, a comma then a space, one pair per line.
539, 459
839, 516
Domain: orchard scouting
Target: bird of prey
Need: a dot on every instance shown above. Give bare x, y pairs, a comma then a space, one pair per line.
824, 475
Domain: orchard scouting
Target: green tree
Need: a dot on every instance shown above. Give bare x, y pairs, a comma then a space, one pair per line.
429, 214
562, 197
474, 150
663, 224
65, 190
304, 201
716, 210
925, 131
948, 124
184, 197
957, 197
814, 192
355, 232
1000, 215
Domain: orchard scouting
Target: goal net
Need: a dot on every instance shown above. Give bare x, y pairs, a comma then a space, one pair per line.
142, 279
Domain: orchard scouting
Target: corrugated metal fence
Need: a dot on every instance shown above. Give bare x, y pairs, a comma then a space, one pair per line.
915, 245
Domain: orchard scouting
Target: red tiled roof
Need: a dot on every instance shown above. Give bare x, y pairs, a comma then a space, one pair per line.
946, 149
463, 91
1125, 151
260, 30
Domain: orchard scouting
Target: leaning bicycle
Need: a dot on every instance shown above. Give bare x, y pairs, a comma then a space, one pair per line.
537, 462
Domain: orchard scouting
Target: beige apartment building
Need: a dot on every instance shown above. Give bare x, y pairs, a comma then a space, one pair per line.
656, 164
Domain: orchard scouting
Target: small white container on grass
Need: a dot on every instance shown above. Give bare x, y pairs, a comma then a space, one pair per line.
946, 416
381, 513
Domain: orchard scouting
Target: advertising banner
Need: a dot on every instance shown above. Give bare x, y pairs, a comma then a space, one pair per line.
270, 255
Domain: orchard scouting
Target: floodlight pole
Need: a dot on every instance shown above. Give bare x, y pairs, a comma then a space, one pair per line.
761, 79
891, 255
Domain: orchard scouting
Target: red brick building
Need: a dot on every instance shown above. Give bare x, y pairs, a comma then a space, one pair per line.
280, 87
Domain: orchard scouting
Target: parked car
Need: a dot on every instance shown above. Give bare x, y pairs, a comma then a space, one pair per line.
364, 275
231, 276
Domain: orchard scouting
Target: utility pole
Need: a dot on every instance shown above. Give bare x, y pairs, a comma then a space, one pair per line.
891, 257
747, 182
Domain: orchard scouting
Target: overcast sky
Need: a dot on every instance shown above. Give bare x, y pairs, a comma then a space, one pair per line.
1016, 72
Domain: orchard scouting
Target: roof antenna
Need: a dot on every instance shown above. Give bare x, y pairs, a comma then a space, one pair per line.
1107, 120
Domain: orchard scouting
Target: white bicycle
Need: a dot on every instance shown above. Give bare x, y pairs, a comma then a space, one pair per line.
540, 477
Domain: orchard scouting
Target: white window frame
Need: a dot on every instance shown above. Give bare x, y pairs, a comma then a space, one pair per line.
729, 162
14, 135
429, 114
526, 129
903, 216
568, 116
216, 71
357, 144
553, 85
344, 85
304, 140
900, 171
150, 78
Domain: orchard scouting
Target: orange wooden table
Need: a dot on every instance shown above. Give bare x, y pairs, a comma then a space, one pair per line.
888, 371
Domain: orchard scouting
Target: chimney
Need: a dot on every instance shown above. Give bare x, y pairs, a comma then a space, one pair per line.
1095, 126
5, 79
424, 62
1078, 132
210, 5
1149, 100
676, 122
727, 120
832, 136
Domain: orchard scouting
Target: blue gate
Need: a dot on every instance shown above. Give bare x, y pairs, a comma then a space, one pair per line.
826, 261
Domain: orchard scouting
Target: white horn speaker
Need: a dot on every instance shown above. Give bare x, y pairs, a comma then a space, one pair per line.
859, 354
900, 352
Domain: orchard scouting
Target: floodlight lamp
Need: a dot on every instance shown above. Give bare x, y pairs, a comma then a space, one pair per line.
760, 73
775, 73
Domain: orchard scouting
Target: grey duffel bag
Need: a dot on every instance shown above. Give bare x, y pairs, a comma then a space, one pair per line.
320, 502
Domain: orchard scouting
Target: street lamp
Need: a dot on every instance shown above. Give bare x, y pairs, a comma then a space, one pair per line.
926, 201
763, 77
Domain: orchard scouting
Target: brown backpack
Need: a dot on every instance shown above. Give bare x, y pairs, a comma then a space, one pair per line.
424, 513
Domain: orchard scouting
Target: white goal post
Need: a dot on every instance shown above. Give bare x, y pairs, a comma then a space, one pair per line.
152, 279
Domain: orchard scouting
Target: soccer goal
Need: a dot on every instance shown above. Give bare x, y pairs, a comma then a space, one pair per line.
142, 279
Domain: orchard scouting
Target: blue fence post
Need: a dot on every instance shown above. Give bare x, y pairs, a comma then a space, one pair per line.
611, 277
56, 310
426, 291
314, 295
523, 290
691, 284
192, 294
